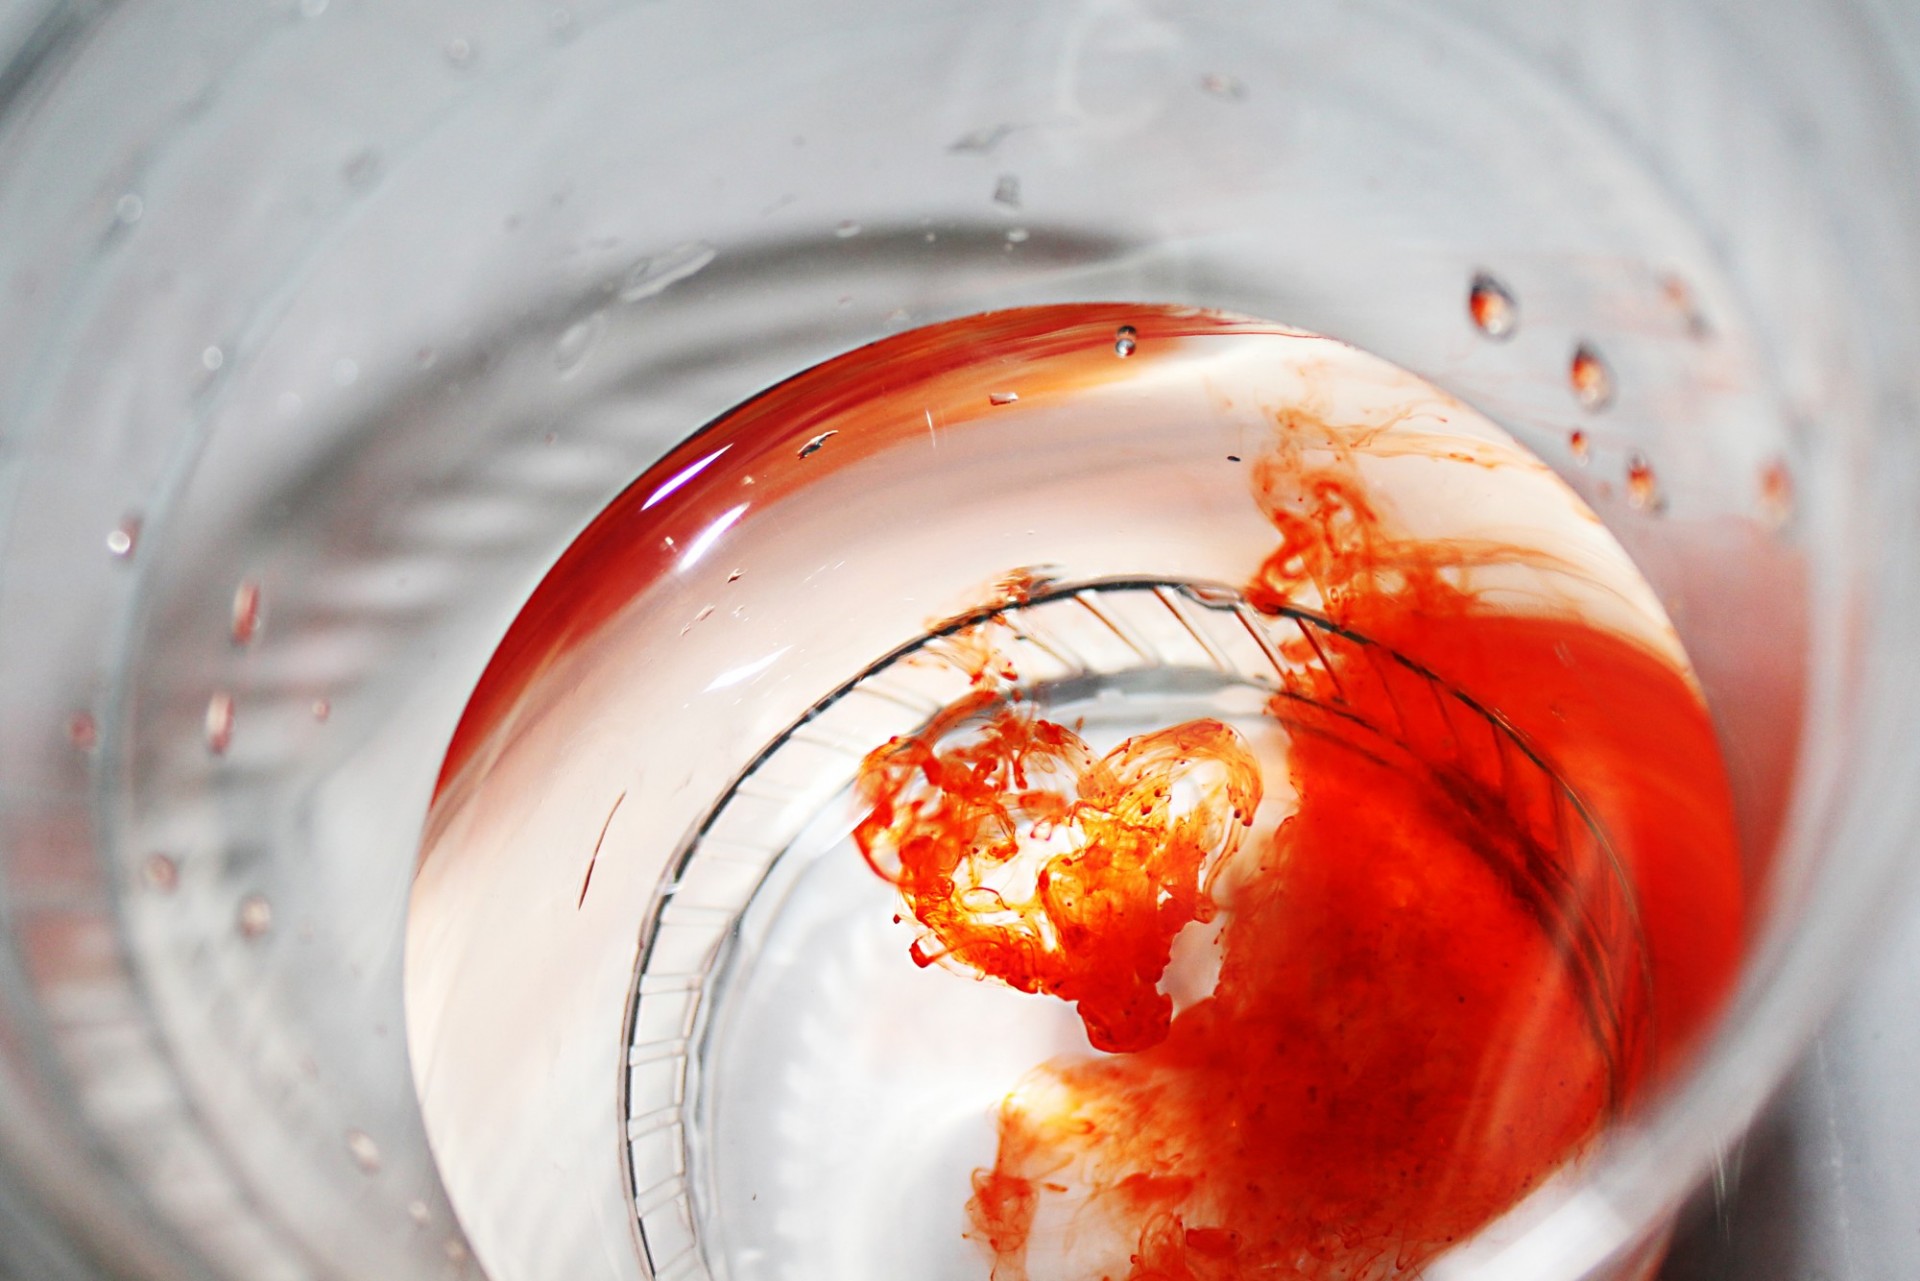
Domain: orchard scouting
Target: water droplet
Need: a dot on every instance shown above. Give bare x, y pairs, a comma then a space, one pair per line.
418, 1212
1643, 490
82, 731
652, 274
219, 723
246, 613
1492, 307
1592, 381
1017, 235
129, 208
814, 446
455, 1249
1125, 340
160, 873
1002, 397
213, 358
254, 917
362, 170
346, 371
322, 708
460, 51
1776, 493
576, 343
847, 229
124, 538
1680, 297
312, 8
560, 22
366, 1153
1580, 446
1007, 191
1231, 88
981, 141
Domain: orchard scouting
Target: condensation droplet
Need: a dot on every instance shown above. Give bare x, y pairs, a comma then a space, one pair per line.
814, 446
460, 51
246, 613
1007, 191
846, 229
322, 708
213, 358
1590, 378
1002, 397
83, 731
1679, 296
1579, 446
362, 169
1776, 493
160, 873
576, 343
124, 538
365, 1152
1125, 341
254, 917
1221, 85
129, 208
1492, 307
219, 723
654, 273
1643, 490
419, 1213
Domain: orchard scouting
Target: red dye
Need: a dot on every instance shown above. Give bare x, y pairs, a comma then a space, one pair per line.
1504, 898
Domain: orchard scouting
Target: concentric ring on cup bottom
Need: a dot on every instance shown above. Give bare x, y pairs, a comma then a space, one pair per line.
730, 1065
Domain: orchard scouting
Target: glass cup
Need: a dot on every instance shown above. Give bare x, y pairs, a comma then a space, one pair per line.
330, 325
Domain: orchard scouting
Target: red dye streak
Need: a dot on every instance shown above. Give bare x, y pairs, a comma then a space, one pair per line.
1434, 986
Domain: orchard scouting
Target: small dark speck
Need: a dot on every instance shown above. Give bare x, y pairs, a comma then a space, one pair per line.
1233, 458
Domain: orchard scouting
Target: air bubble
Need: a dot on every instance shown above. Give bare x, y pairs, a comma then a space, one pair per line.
1007, 191
213, 358
83, 731
1002, 397
312, 8
460, 52
419, 1213
255, 917
129, 208
1125, 341
1590, 378
1017, 235
1579, 446
847, 229
246, 613
219, 723
123, 538
577, 343
160, 873
322, 709
346, 371
1492, 307
1643, 491
365, 1152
